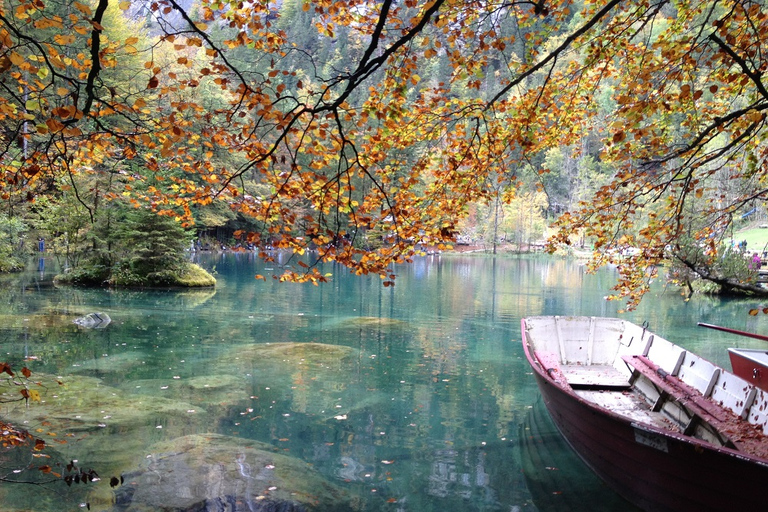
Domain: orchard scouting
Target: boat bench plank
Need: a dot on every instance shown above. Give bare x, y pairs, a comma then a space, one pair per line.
595, 376
723, 420
579, 376
629, 405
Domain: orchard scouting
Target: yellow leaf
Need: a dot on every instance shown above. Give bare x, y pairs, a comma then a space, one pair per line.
16, 59
131, 40
34, 395
82, 8
125, 5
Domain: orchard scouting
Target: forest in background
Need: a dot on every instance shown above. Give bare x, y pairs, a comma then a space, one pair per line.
367, 131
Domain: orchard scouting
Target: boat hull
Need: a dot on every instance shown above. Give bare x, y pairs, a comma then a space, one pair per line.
656, 471
659, 471
750, 365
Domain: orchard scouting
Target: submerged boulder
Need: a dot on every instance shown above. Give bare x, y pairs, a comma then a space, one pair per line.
215, 472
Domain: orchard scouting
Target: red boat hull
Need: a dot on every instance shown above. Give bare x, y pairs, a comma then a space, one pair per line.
747, 366
659, 471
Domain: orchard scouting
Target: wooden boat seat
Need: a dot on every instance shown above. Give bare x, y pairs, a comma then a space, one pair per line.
735, 432
597, 377
576, 376
629, 405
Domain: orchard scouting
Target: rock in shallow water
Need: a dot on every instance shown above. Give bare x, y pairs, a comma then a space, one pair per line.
211, 472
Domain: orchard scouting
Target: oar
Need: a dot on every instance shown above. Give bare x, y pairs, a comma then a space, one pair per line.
734, 331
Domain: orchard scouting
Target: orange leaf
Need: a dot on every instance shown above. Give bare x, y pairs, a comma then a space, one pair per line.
25, 371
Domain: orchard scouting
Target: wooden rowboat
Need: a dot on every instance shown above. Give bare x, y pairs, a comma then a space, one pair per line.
667, 429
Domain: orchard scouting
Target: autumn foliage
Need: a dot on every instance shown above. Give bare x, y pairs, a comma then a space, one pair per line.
369, 139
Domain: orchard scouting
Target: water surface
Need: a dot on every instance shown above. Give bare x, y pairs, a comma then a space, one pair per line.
431, 407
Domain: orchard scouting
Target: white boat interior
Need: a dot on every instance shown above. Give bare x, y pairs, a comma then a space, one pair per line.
628, 370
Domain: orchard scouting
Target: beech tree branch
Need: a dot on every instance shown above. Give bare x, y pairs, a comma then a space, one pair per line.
753, 75
553, 55
90, 94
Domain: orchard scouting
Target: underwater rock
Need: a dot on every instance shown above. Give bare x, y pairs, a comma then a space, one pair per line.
97, 320
289, 355
206, 390
91, 415
119, 362
210, 472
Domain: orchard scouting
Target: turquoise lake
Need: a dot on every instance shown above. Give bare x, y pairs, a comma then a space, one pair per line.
426, 402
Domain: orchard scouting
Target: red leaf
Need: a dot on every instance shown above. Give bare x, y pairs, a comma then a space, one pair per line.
5, 367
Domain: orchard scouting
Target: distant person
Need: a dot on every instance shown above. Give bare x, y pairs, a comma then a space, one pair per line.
41, 244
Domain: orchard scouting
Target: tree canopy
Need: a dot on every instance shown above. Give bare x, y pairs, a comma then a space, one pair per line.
366, 130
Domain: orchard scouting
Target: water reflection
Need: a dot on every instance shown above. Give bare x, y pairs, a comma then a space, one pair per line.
410, 397
556, 478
